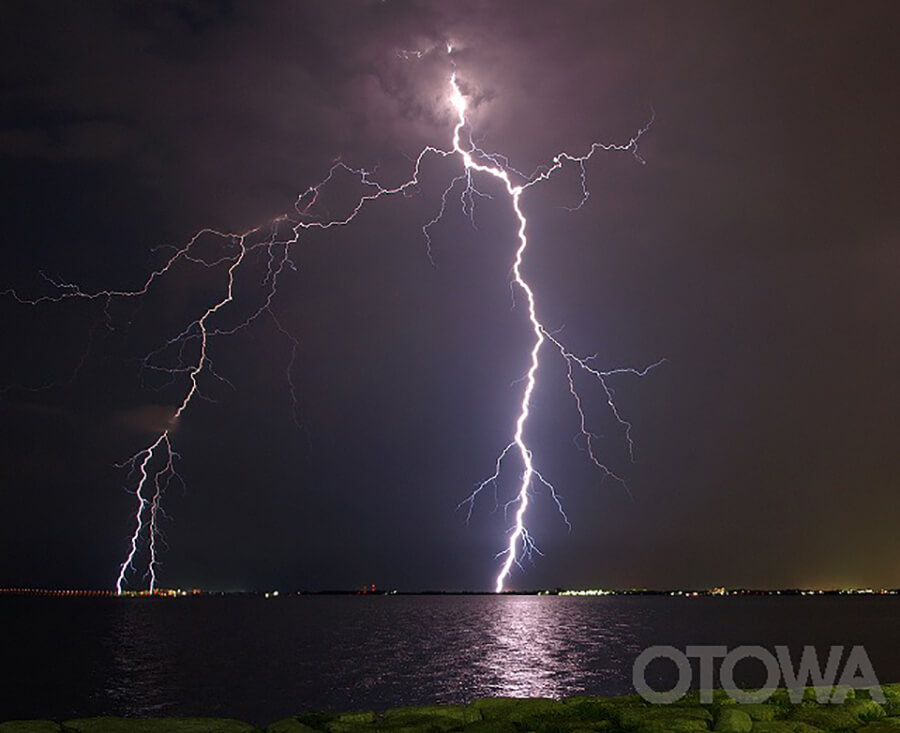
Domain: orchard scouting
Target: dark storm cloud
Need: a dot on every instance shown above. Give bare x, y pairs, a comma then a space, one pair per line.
79, 141
246, 93
757, 249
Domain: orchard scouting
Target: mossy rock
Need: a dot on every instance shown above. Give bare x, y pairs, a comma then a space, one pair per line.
829, 717
630, 716
462, 713
864, 709
427, 726
843, 693
674, 718
29, 726
445, 717
357, 718
779, 698
418, 724
634, 710
490, 726
682, 725
518, 709
157, 725
577, 700
698, 697
610, 712
584, 706
344, 726
885, 725
290, 725
592, 726
759, 696
784, 726
824, 693
626, 700
558, 724
776, 696
603, 708
581, 714
344, 722
892, 699
495, 708
732, 720
314, 719
587, 708
760, 711
849, 716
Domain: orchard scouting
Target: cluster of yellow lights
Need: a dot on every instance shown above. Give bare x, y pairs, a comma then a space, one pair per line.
588, 592
66, 592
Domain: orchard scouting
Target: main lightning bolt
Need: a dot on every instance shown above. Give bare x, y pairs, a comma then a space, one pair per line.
495, 167
154, 466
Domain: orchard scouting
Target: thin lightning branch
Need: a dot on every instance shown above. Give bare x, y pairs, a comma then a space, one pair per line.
186, 356
572, 361
489, 481
289, 369
557, 499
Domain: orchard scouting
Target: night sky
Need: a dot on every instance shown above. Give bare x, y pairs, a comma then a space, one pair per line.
758, 250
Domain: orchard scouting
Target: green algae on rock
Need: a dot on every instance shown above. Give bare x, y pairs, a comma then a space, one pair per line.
290, 725
759, 711
732, 720
30, 726
784, 726
837, 717
885, 725
518, 708
696, 712
445, 717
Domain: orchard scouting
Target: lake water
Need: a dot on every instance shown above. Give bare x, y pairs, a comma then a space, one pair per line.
260, 660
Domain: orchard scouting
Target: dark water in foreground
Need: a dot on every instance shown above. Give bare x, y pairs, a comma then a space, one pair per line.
261, 660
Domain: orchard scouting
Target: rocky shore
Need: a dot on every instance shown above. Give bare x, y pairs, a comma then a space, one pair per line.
625, 714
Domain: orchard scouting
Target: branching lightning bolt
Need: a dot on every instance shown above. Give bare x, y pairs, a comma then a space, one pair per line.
497, 166
186, 355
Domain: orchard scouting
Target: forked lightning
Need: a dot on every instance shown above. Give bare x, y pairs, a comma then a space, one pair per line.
153, 467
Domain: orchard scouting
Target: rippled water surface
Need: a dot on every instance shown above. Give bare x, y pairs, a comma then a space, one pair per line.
260, 660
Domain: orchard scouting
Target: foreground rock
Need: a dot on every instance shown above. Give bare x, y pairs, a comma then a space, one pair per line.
625, 714
130, 725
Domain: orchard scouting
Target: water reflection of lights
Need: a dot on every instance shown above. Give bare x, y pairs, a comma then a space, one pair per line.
530, 650
140, 663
